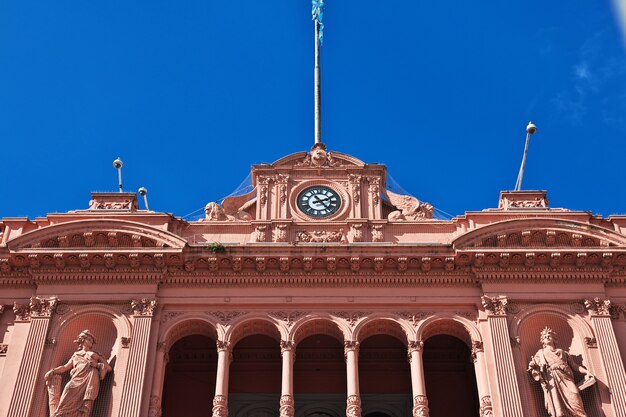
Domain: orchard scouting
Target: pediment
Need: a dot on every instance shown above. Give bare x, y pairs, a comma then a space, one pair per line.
539, 233
94, 234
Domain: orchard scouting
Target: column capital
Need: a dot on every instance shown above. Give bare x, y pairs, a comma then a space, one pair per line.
477, 346
350, 346
353, 408
143, 307
599, 307
287, 346
495, 306
420, 406
222, 345
37, 307
414, 346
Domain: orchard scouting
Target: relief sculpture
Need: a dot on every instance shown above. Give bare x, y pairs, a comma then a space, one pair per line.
553, 369
409, 208
87, 368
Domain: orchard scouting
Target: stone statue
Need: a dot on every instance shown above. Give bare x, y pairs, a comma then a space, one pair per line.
87, 368
409, 208
552, 367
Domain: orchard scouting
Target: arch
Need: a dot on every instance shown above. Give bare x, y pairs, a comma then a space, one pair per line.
254, 324
449, 324
380, 323
163, 239
187, 325
320, 324
509, 226
122, 324
581, 326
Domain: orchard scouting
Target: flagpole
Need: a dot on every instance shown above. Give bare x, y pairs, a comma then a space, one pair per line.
317, 91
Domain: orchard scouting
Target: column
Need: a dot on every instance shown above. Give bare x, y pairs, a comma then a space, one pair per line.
478, 357
162, 358
133, 390
38, 312
220, 401
601, 312
508, 389
287, 351
351, 351
420, 402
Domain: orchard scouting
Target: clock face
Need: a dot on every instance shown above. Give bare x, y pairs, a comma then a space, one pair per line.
319, 201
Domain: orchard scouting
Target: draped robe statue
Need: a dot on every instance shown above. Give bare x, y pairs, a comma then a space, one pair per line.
553, 368
87, 368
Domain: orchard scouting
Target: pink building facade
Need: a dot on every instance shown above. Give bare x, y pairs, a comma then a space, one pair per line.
318, 294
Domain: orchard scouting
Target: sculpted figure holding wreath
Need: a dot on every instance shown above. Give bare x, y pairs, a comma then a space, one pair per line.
87, 368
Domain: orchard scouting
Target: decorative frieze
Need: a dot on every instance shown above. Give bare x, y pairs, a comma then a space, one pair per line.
226, 317
377, 233
319, 236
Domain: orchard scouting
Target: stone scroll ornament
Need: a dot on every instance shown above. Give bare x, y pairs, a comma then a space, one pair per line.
553, 369
87, 368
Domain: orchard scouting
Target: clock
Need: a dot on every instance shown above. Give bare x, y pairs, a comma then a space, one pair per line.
319, 201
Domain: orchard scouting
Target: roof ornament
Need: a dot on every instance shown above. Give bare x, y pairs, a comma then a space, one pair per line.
319, 157
232, 208
530, 130
409, 208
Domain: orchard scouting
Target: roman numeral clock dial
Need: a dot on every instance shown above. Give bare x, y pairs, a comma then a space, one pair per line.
319, 201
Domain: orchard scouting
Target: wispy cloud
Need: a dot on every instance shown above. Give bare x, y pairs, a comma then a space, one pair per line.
598, 81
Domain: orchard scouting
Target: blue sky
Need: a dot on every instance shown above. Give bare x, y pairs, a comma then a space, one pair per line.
191, 94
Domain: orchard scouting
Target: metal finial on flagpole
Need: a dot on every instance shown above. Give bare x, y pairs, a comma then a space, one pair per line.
117, 164
530, 130
317, 13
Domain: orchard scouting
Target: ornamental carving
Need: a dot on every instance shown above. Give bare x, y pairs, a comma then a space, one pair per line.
350, 345
495, 306
402, 264
355, 185
331, 264
374, 189
416, 317
5, 266
280, 233
288, 317
37, 307
356, 231
415, 346
353, 408
318, 157
591, 342
486, 408
143, 307
126, 204
377, 233
222, 345
287, 345
287, 408
226, 317
263, 189
352, 317
355, 264
477, 346
284, 264
220, 406
260, 233
420, 406
522, 199
3, 349
599, 307
320, 236
408, 208
155, 406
